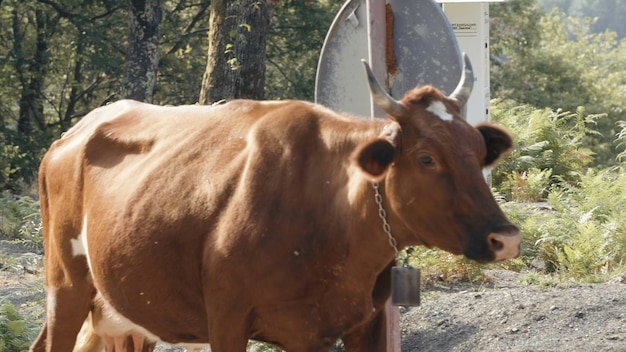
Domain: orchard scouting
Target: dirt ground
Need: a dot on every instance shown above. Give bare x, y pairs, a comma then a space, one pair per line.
503, 315
510, 316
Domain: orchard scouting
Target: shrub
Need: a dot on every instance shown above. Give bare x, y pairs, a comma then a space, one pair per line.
582, 235
15, 332
528, 186
596, 212
9, 156
620, 141
20, 220
549, 148
552, 60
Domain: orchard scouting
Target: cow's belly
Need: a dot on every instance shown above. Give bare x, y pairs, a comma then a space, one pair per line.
142, 289
156, 313
170, 309
107, 321
301, 325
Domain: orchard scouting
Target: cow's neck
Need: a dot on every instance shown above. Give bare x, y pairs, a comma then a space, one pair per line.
371, 247
370, 251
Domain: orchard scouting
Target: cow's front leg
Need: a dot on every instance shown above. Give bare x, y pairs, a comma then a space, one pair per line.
229, 325
369, 337
374, 335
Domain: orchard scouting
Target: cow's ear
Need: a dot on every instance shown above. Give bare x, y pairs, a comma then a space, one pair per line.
374, 157
497, 141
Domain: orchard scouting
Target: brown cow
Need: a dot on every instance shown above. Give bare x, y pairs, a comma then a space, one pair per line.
257, 220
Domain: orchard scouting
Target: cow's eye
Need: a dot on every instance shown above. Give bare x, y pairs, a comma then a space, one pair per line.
426, 160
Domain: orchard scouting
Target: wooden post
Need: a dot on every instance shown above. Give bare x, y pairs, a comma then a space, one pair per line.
376, 45
377, 50
393, 327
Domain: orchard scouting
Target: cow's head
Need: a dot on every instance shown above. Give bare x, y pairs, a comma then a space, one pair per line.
431, 163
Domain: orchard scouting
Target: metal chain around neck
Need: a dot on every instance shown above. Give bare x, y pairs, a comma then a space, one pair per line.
383, 216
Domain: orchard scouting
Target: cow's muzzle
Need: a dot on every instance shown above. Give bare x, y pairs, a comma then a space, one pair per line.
505, 242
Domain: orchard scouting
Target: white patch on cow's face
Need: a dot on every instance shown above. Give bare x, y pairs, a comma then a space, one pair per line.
439, 109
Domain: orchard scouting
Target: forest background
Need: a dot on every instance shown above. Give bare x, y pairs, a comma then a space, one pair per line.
60, 59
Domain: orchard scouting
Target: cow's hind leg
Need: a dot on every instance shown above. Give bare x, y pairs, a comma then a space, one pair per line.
66, 311
61, 325
40, 342
69, 293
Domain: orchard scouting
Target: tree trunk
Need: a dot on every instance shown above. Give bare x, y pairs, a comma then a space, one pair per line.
236, 57
31, 107
142, 55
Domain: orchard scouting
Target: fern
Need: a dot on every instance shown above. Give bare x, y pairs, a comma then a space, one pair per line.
620, 141
546, 142
15, 331
20, 220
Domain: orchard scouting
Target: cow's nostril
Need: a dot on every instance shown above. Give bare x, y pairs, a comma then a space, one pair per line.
495, 244
504, 245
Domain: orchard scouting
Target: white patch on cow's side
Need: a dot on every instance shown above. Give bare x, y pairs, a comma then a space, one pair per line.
113, 323
439, 109
79, 244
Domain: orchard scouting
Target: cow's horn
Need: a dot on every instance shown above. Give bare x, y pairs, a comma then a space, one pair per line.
380, 96
464, 88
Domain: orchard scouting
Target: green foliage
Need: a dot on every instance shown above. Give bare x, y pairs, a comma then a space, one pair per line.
15, 332
620, 141
513, 32
20, 160
528, 186
437, 265
552, 60
183, 52
585, 237
10, 156
549, 148
297, 32
59, 62
610, 13
20, 220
